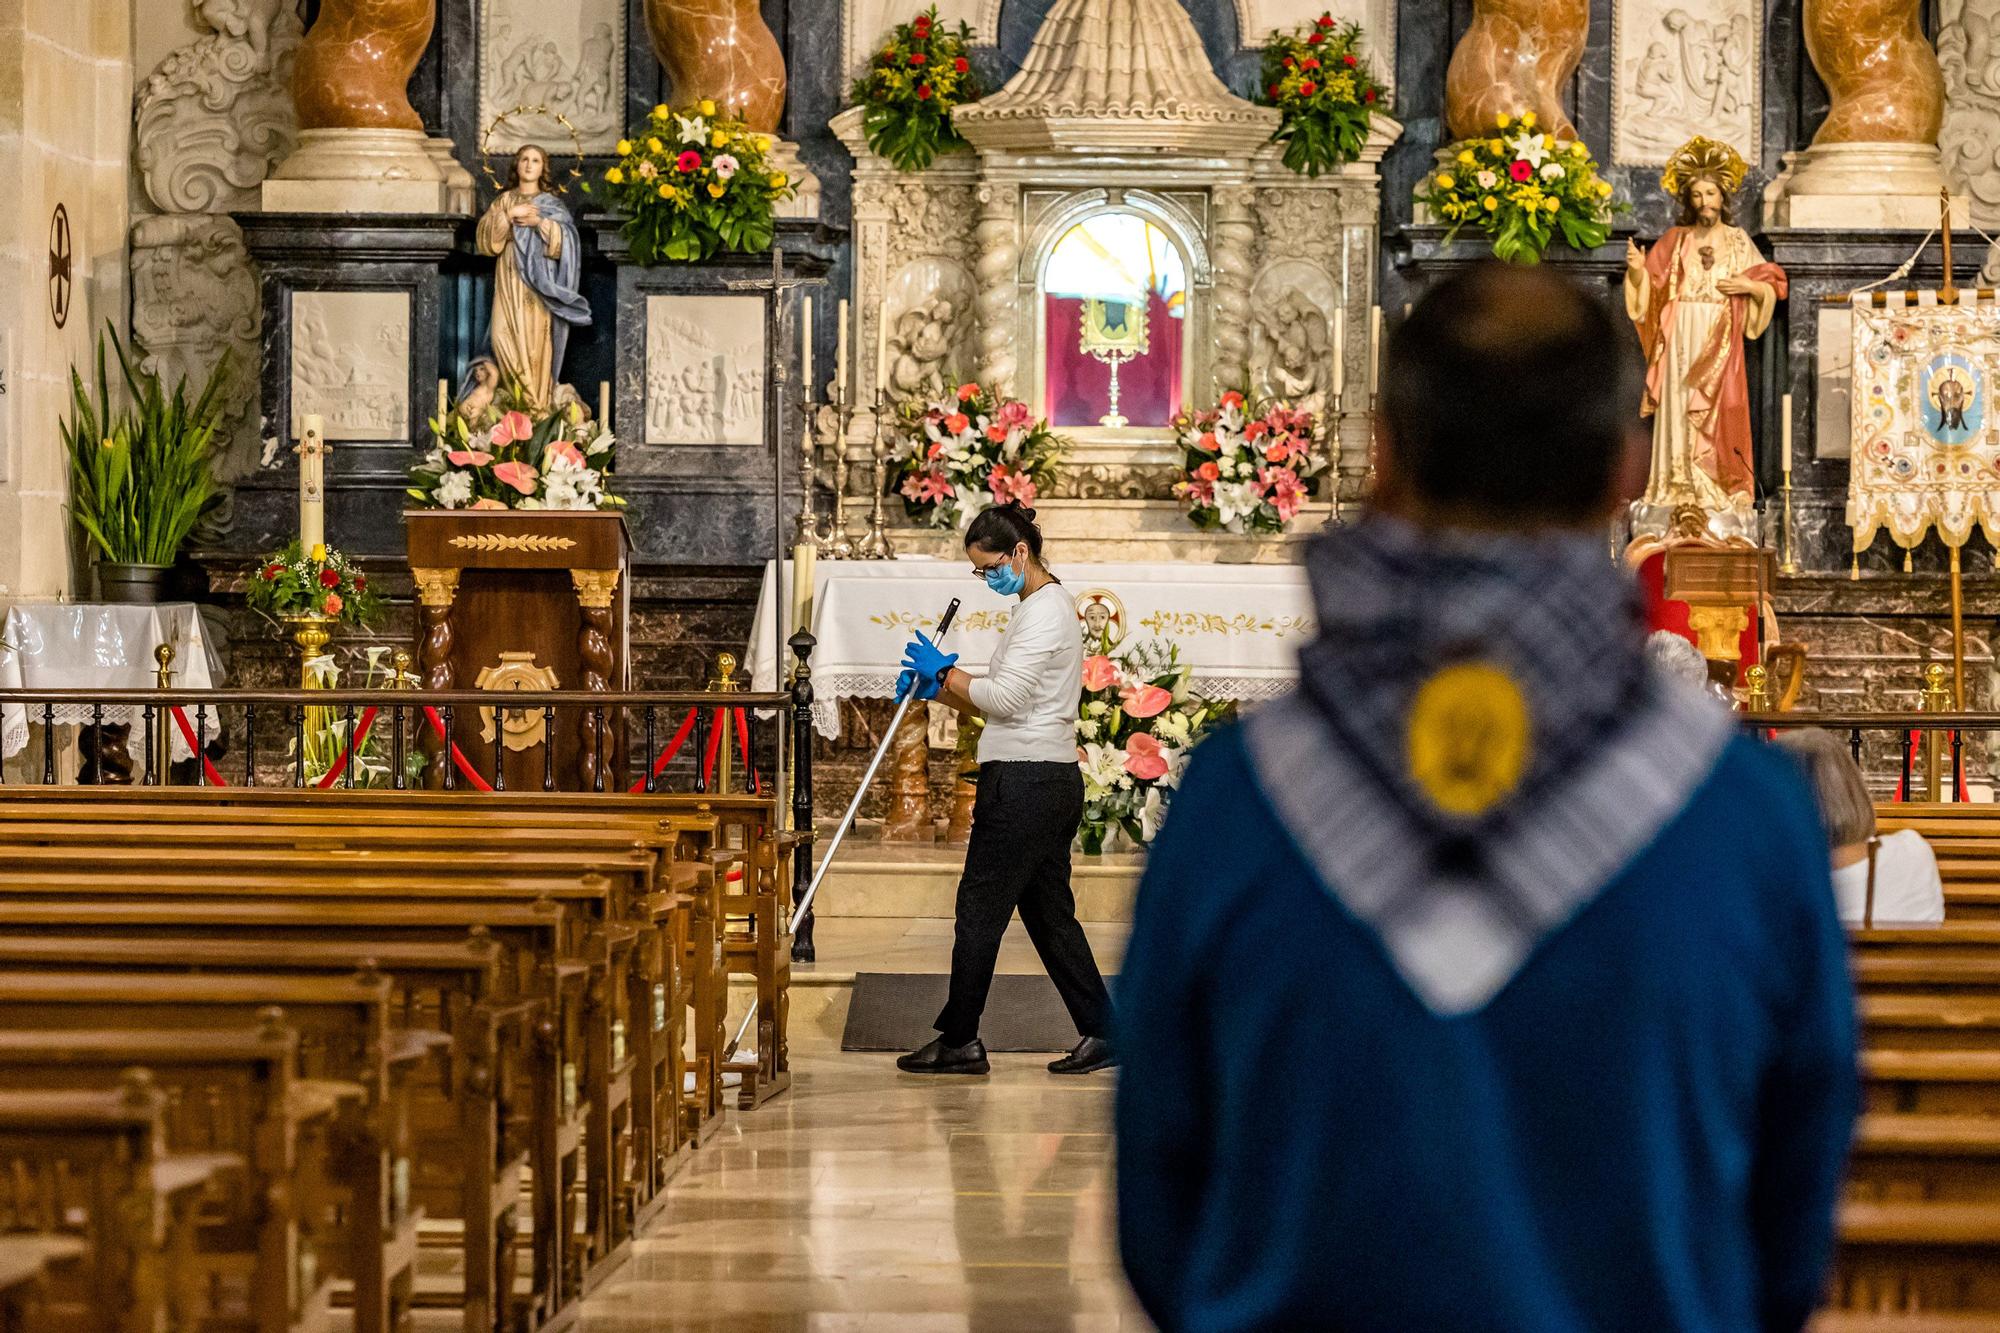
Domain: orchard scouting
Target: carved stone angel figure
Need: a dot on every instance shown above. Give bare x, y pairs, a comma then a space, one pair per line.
536, 293
1696, 296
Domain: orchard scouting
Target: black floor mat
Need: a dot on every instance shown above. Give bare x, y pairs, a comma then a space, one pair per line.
893, 1011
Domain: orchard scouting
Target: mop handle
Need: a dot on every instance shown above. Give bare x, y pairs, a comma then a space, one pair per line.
846, 821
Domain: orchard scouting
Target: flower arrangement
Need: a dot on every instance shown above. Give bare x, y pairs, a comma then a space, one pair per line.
919, 75
1247, 473
325, 731
693, 184
320, 582
1324, 92
977, 449
503, 456
1134, 729
1524, 189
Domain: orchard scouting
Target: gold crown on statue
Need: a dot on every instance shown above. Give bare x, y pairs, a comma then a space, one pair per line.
1702, 156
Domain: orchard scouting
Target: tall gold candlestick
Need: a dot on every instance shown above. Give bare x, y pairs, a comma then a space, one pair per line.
875, 545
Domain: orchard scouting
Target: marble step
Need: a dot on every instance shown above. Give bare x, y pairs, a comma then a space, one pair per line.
872, 879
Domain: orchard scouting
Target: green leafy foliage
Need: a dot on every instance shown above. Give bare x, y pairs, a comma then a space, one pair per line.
139, 476
1324, 91
911, 86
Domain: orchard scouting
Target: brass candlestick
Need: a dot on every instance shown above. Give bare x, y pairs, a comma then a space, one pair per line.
805, 528
839, 543
1789, 564
875, 545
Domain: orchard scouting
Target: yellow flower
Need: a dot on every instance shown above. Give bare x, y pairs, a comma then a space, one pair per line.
653, 145
666, 192
778, 180
1445, 182
763, 143
1604, 188
660, 111
1491, 203
717, 139
707, 107
1527, 120
1495, 147
1577, 149
1466, 157
1551, 204
319, 553
624, 147
715, 189
1503, 120
615, 176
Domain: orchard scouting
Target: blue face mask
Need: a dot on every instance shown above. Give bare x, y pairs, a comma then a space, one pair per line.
1006, 580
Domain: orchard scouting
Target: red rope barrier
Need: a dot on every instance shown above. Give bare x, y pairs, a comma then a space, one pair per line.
715, 735
1910, 741
457, 756
354, 743
187, 732
667, 755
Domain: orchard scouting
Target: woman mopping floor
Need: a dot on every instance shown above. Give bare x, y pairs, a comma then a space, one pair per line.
1029, 804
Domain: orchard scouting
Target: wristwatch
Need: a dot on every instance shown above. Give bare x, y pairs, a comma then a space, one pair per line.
943, 675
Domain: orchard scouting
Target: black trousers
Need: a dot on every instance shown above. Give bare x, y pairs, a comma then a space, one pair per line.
1023, 821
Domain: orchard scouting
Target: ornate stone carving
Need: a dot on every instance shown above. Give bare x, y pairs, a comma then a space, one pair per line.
214, 116
1879, 70
720, 49
1969, 57
1291, 337
1682, 68
999, 250
927, 343
1103, 481
351, 363
930, 221
194, 301
354, 67
1234, 231
1515, 56
704, 370
569, 58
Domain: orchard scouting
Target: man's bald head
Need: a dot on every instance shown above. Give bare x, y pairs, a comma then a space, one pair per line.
1510, 398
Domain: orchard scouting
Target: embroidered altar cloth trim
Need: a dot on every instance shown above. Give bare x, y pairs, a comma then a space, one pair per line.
1238, 627
84, 646
1926, 437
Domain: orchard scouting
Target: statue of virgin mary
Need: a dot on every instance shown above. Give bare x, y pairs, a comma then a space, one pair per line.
536, 296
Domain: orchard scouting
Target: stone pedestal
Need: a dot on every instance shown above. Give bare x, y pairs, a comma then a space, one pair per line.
359, 171
1861, 187
351, 317
804, 203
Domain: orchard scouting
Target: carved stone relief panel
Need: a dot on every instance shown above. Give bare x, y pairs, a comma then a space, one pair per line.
704, 370
1684, 67
868, 22
1291, 334
351, 363
929, 306
214, 116
1256, 18
569, 58
1968, 46
195, 301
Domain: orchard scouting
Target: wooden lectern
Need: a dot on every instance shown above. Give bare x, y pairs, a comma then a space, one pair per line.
1723, 586
526, 600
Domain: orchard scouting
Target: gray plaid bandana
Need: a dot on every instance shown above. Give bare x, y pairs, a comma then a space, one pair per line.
1461, 900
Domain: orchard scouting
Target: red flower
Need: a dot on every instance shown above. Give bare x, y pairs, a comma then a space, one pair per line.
360, 583
329, 578
1326, 20
1315, 39
1308, 88
922, 25
1368, 96
923, 92
331, 606
957, 423
272, 570
1272, 90
688, 161
1349, 60
967, 392
961, 64
1208, 471
1310, 62
919, 58
1521, 171
1290, 63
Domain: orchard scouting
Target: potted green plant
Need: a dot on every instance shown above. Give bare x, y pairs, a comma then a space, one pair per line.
139, 474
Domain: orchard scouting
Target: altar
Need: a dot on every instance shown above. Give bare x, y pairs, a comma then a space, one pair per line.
1239, 627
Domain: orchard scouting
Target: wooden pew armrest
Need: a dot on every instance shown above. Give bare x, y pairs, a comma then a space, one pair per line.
309, 1099
177, 1173
411, 1044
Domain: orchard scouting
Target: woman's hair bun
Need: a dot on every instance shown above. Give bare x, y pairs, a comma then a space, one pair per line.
1022, 510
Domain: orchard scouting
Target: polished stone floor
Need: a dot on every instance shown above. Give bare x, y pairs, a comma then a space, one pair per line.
866, 1199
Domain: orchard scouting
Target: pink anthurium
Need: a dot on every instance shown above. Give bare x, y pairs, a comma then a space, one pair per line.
1143, 757
518, 475
1144, 701
1099, 673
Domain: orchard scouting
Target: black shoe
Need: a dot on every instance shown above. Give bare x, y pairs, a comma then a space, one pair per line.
1091, 1054
938, 1058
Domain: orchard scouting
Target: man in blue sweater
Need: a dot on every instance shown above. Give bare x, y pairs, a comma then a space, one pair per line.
1488, 982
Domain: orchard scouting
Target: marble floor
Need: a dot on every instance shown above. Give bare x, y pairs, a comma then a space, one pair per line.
849, 944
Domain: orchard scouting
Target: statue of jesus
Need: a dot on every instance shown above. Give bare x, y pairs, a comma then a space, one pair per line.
536, 296
1696, 296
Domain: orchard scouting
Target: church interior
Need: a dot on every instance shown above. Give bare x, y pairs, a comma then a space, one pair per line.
650, 360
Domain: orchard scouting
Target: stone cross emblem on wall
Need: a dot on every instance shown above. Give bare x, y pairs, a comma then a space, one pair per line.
59, 266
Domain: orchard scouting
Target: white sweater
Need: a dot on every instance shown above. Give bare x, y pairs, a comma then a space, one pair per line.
1031, 688
1908, 888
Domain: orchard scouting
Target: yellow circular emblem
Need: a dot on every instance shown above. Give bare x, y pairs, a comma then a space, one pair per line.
1468, 738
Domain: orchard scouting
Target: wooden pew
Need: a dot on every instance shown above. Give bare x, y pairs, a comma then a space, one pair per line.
94, 1166
27, 1263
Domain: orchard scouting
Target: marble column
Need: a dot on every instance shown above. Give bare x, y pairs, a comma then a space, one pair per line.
362, 147
1234, 231
1515, 56
720, 49
999, 285
1874, 163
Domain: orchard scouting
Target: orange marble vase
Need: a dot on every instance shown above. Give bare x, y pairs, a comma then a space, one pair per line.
1880, 70
720, 49
353, 69
1515, 56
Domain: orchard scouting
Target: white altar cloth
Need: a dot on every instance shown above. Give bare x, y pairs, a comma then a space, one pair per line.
86, 646
1239, 627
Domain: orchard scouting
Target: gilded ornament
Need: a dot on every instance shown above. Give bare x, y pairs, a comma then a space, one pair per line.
511, 541
1702, 157
594, 587
520, 728
1468, 738
436, 588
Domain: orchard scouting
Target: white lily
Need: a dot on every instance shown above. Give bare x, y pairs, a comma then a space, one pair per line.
1530, 148
693, 130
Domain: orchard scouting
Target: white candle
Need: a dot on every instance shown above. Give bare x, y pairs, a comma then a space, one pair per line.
604, 404
802, 586
312, 482
840, 355
444, 397
882, 354
1374, 350
1339, 350
1785, 436
806, 351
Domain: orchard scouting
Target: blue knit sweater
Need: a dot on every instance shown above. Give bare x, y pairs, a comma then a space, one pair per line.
1644, 1129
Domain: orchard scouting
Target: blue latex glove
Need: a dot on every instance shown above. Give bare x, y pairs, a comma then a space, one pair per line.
908, 681
928, 661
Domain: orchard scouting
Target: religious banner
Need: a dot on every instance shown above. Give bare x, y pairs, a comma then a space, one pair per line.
1239, 627
1926, 452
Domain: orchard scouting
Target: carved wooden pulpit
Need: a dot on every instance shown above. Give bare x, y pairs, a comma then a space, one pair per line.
1724, 587
526, 600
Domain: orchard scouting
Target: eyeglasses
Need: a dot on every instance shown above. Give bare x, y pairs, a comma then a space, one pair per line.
981, 571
